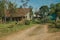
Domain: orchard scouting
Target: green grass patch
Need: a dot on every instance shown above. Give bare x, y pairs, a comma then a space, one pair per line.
52, 28
6, 29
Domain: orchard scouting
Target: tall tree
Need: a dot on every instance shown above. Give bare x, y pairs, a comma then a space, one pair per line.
3, 8
21, 6
31, 12
24, 5
55, 10
58, 9
11, 9
52, 8
44, 11
25, 2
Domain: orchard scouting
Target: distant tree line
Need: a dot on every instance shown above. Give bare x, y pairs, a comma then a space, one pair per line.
53, 10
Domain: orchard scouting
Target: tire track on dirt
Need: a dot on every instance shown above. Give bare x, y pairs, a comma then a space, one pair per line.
37, 32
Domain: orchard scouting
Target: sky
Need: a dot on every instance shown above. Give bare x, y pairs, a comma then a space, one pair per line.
37, 3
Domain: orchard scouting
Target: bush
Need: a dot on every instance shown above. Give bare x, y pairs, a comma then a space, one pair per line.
51, 21
51, 26
58, 21
37, 21
27, 22
57, 25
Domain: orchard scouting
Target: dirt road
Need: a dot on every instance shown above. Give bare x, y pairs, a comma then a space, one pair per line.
38, 32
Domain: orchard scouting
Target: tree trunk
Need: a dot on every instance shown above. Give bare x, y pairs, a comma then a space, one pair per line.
5, 15
11, 18
5, 19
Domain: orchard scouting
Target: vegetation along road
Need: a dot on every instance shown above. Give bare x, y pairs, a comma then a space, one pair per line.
38, 32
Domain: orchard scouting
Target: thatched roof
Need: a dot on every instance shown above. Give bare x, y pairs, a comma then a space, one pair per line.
19, 12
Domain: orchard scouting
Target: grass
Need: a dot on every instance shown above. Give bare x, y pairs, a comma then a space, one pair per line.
52, 28
6, 29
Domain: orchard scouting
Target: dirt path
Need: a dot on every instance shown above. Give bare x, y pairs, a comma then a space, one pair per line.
33, 33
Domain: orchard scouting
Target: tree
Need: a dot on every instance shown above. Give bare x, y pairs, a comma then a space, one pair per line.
1, 9
25, 2
52, 8
20, 6
24, 5
58, 9
44, 11
55, 10
11, 9
3, 4
31, 12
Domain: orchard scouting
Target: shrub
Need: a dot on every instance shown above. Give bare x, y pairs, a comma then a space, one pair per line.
37, 21
51, 21
57, 25
51, 26
27, 22
11, 26
58, 21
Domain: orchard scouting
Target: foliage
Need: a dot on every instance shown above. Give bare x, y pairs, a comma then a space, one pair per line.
21, 6
31, 12
25, 2
53, 30
6, 29
11, 9
58, 9
44, 9
2, 7
55, 8
54, 26
27, 22
37, 21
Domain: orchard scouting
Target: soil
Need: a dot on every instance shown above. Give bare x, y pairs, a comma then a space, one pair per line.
37, 32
